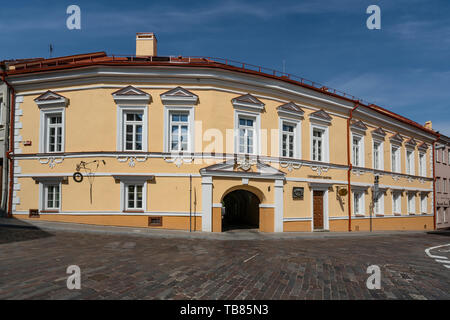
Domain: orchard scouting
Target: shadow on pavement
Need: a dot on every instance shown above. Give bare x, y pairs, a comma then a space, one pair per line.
442, 232
14, 230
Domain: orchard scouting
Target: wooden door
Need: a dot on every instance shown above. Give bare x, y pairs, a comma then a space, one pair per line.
318, 209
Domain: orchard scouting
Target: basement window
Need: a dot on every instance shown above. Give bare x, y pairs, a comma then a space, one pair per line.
155, 221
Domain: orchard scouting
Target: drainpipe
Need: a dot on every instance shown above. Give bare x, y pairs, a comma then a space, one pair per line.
434, 183
349, 163
11, 145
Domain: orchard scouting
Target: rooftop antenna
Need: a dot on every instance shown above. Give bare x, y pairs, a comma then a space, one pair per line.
284, 66
50, 49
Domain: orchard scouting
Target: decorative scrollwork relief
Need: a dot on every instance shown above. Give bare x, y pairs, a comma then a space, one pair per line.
179, 160
132, 160
51, 161
290, 165
319, 169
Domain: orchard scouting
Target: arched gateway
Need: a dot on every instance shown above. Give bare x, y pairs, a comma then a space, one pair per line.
242, 194
241, 210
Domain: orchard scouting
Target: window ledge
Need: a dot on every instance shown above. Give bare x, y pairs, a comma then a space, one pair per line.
360, 215
49, 211
379, 215
133, 211
397, 214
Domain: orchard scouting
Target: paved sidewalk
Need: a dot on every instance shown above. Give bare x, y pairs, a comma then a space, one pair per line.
170, 234
34, 262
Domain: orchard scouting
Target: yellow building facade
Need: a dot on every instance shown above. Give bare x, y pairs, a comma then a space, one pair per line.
195, 145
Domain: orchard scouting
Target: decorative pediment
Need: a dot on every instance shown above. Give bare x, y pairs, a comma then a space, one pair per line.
247, 101
51, 99
320, 116
379, 133
290, 109
243, 167
179, 95
411, 143
423, 147
358, 126
396, 138
132, 95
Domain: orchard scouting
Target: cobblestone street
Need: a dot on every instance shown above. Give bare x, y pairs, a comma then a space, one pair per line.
33, 266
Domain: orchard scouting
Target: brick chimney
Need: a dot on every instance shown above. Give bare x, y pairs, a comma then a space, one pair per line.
145, 44
428, 125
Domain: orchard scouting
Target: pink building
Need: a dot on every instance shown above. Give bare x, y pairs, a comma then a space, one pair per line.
442, 170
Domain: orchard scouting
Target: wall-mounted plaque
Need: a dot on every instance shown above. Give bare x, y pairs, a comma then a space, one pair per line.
297, 193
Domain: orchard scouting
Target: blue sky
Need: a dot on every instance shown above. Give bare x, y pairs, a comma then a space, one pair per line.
404, 67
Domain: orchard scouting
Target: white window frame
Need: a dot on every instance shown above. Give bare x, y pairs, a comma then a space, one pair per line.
397, 158
360, 146
168, 109
178, 124
43, 132
297, 136
380, 202
411, 204
380, 154
121, 110
361, 203
43, 195
422, 164
423, 203
256, 117
444, 185
438, 184
124, 193
410, 163
325, 142
397, 203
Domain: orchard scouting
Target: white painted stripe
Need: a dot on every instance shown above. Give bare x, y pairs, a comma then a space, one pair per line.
427, 251
250, 258
442, 261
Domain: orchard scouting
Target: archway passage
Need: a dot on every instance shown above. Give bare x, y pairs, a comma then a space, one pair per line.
241, 210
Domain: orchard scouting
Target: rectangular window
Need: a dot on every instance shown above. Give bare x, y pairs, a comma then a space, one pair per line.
179, 131
53, 132
246, 135
444, 185
448, 156
357, 151
396, 203
409, 162
411, 203
358, 202
378, 204
437, 155
51, 196
438, 184
133, 125
134, 196
395, 160
423, 203
377, 155
317, 145
422, 165
288, 140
